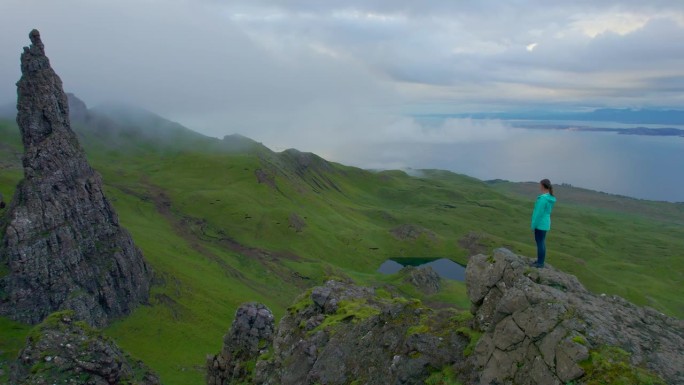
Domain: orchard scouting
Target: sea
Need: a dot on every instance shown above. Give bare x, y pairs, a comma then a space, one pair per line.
639, 166
643, 167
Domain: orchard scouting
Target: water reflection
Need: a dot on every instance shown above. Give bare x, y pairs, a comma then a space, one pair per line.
446, 268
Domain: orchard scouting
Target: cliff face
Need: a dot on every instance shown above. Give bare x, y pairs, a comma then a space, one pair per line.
62, 246
526, 326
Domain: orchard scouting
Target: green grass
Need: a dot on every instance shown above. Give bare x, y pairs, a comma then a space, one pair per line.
349, 310
473, 338
452, 293
216, 238
610, 365
446, 376
194, 304
12, 340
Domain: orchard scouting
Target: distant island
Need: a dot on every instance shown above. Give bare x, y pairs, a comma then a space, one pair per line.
616, 115
667, 131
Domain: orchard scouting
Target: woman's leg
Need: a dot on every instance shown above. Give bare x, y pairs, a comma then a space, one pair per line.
540, 238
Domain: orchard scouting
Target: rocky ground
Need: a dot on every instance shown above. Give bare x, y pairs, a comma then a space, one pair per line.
526, 326
340, 334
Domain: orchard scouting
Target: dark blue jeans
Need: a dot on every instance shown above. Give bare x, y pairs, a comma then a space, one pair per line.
540, 238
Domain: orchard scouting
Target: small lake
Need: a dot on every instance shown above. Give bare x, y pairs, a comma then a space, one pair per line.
446, 268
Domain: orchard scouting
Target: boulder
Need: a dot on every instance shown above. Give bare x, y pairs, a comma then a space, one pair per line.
424, 278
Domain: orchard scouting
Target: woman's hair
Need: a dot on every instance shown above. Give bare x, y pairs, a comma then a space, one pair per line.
547, 185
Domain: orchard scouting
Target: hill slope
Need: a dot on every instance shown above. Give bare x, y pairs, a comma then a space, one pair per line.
222, 222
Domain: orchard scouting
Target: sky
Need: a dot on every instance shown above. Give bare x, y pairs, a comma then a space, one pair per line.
322, 75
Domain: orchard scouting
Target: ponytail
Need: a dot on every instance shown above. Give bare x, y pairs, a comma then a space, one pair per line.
547, 185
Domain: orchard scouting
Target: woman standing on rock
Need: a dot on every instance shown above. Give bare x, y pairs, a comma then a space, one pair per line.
541, 219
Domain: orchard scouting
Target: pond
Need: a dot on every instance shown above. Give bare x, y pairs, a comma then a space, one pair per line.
446, 268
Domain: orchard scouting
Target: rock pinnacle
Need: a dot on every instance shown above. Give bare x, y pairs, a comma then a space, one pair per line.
62, 246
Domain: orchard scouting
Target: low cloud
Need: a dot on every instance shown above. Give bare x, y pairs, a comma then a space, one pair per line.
446, 131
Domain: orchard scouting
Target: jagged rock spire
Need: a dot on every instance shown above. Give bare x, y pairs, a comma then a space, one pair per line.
42, 105
62, 245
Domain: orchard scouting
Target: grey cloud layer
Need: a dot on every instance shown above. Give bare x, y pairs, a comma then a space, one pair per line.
314, 74
486, 43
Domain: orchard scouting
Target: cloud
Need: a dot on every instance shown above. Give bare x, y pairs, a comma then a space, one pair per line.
310, 74
593, 25
476, 48
192, 63
350, 79
447, 131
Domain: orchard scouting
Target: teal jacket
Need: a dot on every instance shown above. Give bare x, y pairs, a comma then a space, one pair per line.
541, 216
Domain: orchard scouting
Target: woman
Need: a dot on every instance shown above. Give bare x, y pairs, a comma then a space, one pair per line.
541, 219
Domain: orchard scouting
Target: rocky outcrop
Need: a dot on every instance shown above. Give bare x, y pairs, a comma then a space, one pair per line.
296, 222
62, 350
309, 168
410, 232
541, 324
62, 245
474, 243
341, 334
250, 336
526, 326
424, 278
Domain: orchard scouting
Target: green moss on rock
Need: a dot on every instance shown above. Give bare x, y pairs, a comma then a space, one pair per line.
446, 376
611, 365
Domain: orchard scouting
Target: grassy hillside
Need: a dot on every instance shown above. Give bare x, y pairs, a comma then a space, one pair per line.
228, 221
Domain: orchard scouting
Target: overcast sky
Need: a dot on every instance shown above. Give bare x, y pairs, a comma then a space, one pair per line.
317, 75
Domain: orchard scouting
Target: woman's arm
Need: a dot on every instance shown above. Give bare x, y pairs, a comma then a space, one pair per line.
537, 213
